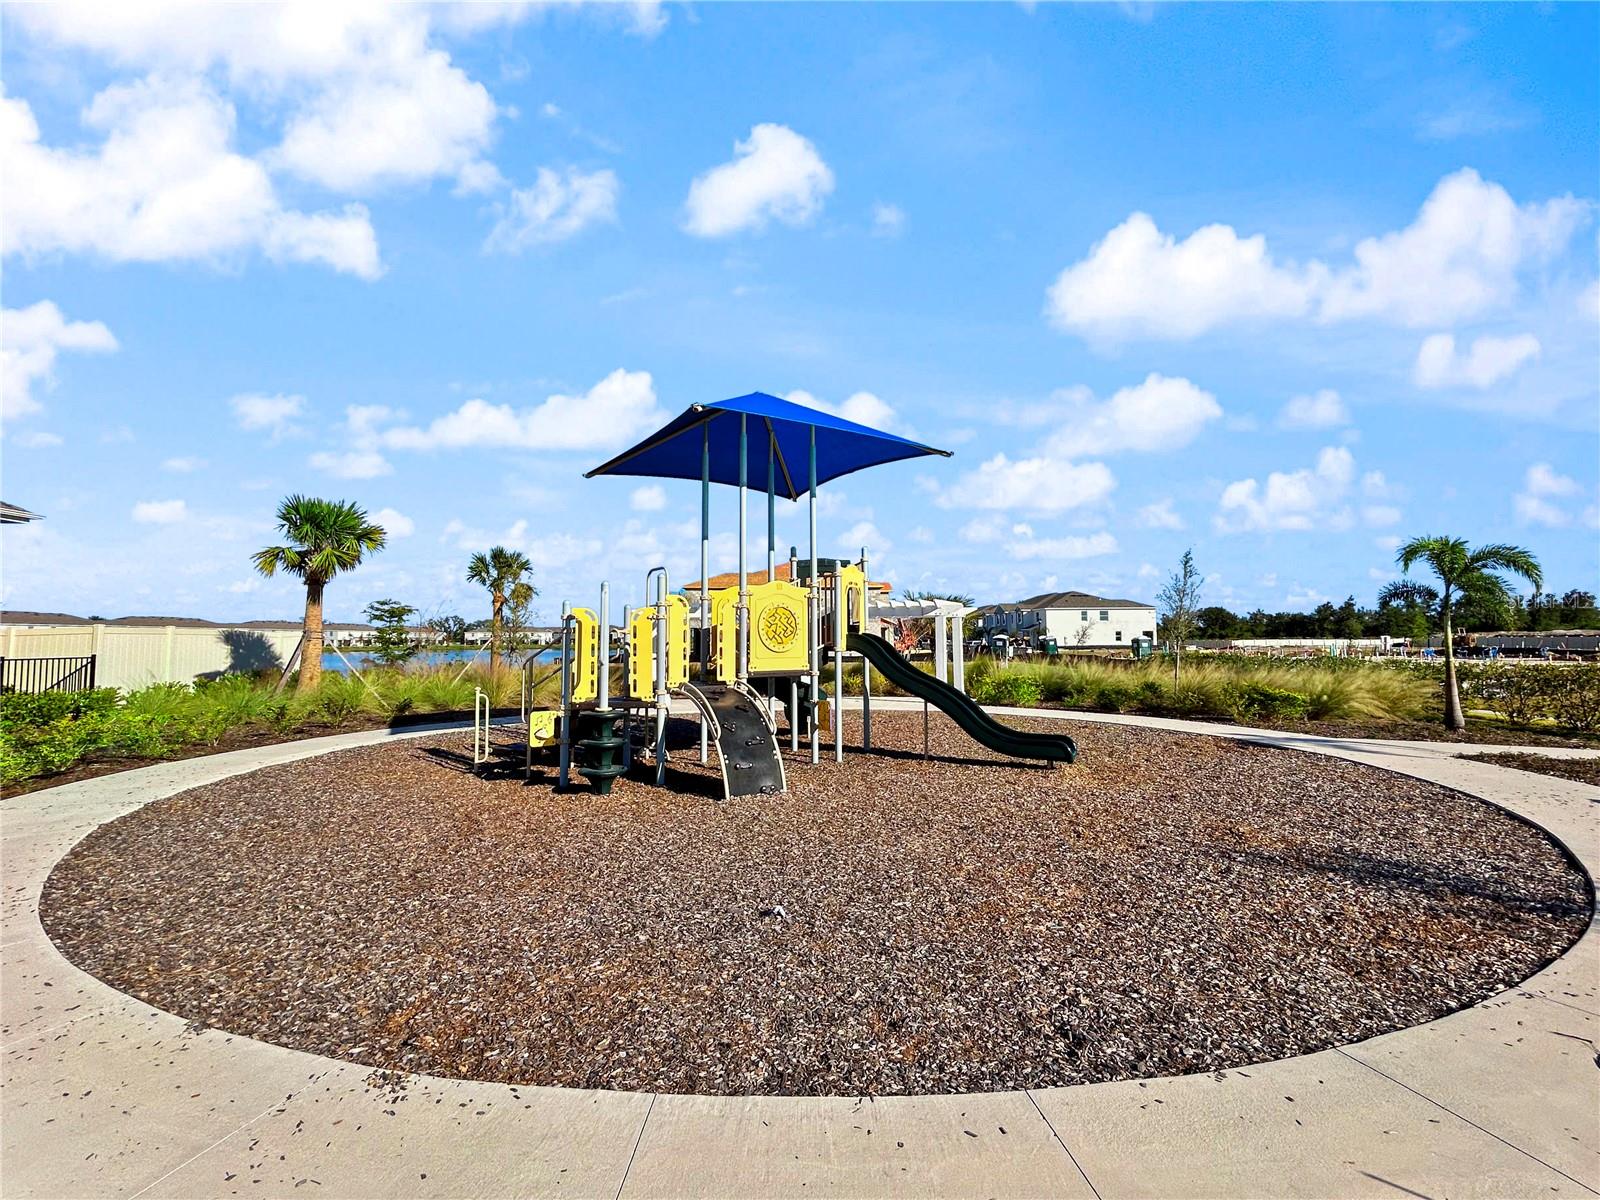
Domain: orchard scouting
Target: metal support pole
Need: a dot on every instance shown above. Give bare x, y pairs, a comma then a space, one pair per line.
866, 667
816, 600
866, 705
565, 771
742, 671
627, 671
659, 673
772, 504
940, 648
603, 650
838, 666
925, 729
794, 714
960, 673
705, 560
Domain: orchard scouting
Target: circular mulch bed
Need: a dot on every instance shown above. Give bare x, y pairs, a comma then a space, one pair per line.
1171, 904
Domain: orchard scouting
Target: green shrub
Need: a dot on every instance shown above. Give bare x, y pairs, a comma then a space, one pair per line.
1575, 699
1251, 701
1016, 690
45, 708
1115, 695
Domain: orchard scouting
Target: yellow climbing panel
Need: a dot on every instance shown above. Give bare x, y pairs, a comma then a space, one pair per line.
725, 635
855, 595
642, 648
581, 668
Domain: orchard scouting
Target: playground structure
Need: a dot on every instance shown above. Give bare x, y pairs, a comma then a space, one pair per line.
744, 655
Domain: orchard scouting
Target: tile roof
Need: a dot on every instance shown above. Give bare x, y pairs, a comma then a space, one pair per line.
731, 579
1074, 600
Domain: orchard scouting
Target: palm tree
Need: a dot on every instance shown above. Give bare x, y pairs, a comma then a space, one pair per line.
325, 538
501, 571
1463, 574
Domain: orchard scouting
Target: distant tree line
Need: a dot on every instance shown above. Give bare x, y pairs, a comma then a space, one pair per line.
1414, 616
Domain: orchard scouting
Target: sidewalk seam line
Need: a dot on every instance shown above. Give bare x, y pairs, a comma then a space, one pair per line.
636, 1143
199, 1154
1467, 1120
1028, 1092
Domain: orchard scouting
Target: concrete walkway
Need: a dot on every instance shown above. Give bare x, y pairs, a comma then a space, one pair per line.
104, 1096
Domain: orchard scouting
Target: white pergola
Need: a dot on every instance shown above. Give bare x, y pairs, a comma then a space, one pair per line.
949, 655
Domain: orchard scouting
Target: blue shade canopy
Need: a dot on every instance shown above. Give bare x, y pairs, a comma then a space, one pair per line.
673, 451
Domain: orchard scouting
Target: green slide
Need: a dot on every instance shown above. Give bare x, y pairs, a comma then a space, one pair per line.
959, 707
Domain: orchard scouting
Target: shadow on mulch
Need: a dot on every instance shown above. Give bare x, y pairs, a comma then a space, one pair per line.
1372, 870
244, 738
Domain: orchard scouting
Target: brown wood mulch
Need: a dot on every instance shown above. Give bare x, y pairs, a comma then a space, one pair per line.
1170, 904
1582, 770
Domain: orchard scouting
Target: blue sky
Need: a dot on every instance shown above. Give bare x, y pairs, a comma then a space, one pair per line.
1283, 284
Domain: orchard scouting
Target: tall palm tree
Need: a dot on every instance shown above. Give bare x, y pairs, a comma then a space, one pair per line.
325, 538
1463, 574
501, 571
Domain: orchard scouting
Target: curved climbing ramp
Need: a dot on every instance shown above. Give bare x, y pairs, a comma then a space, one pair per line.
746, 745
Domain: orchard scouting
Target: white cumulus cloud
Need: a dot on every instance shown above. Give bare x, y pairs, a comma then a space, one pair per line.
1159, 515
1138, 281
1159, 414
1039, 484
1488, 361
401, 121
1091, 545
160, 512
1463, 256
163, 185
395, 523
30, 340
864, 534
621, 406
558, 205
888, 220
776, 174
1290, 500
864, 408
1545, 496
652, 497
366, 96
351, 464
1319, 410
274, 415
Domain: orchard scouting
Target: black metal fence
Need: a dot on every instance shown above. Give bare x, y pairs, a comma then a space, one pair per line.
72, 674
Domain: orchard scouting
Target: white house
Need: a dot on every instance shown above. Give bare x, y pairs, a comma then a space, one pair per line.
1074, 620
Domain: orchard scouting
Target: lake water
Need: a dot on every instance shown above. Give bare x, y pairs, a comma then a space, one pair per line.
362, 659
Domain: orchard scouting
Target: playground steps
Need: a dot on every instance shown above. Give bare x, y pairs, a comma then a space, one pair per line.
746, 744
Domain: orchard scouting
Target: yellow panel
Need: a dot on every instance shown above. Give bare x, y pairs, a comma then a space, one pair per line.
677, 641
725, 634
778, 634
585, 640
641, 654
542, 727
855, 595
642, 648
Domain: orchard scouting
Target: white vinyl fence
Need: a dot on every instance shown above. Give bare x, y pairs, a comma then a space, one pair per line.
135, 656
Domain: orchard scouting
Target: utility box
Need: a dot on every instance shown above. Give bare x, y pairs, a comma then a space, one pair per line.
1143, 648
